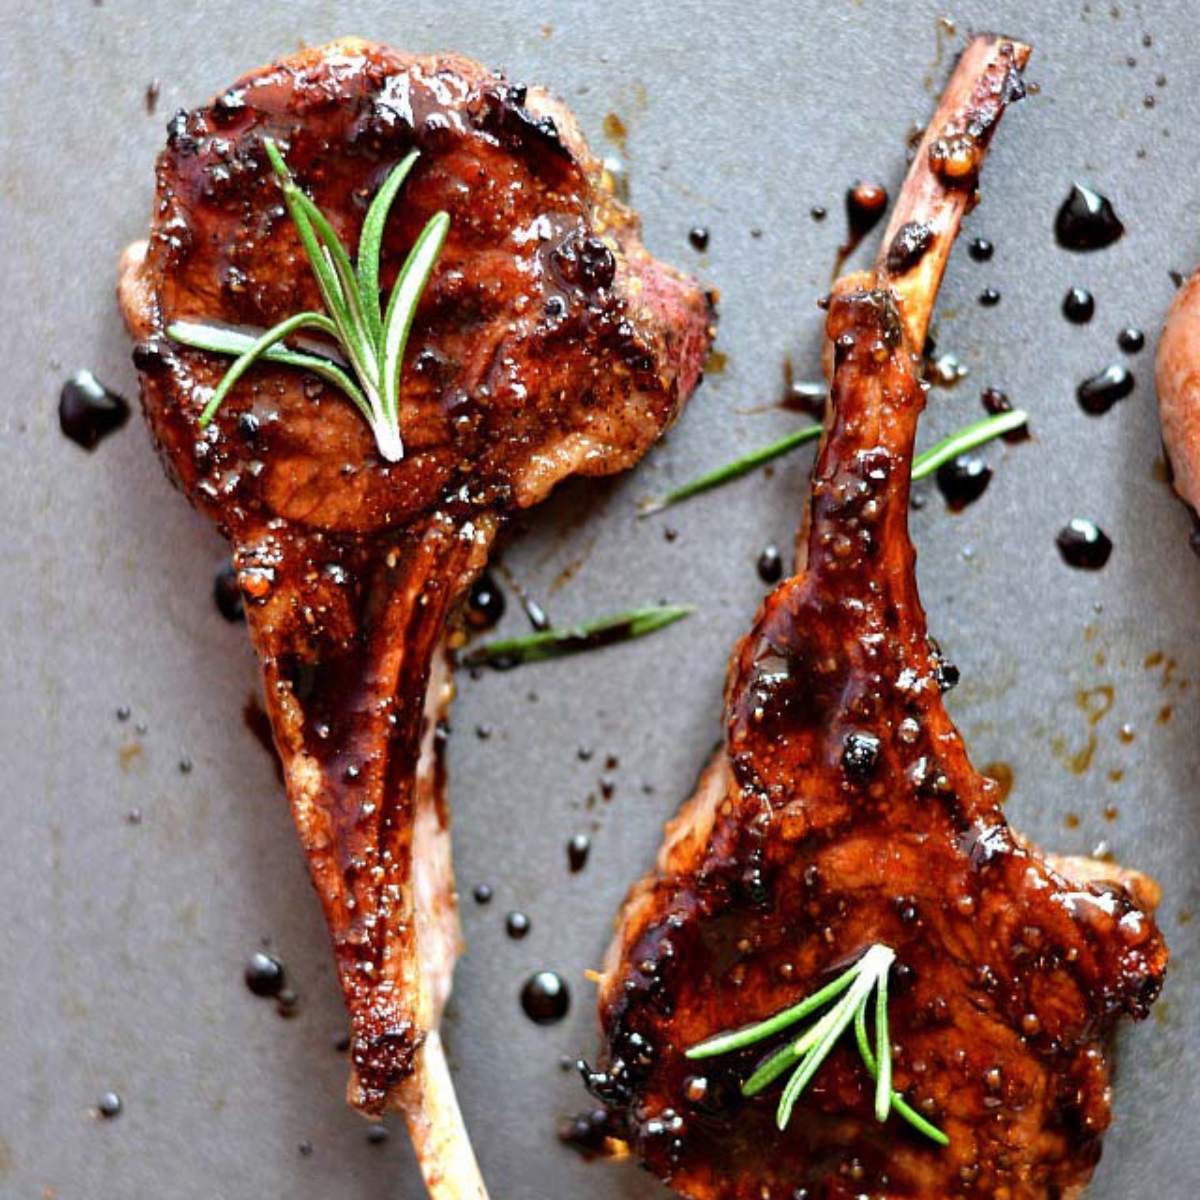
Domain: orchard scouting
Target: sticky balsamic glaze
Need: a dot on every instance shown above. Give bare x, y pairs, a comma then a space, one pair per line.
865, 205
545, 997
908, 247
485, 602
578, 849
88, 412
980, 249
989, 297
770, 565
698, 236
963, 480
227, 594
264, 974
109, 1105
1086, 220
1131, 339
516, 925
1079, 306
1082, 543
1100, 392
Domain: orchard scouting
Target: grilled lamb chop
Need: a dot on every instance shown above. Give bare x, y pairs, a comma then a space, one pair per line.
842, 813
1177, 378
548, 343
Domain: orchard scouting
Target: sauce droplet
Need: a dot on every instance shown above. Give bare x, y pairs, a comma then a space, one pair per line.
578, 849
698, 236
981, 250
989, 297
1078, 306
227, 594
485, 603
88, 411
1100, 392
109, 1105
865, 204
963, 480
482, 893
264, 974
545, 998
770, 565
516, 925
1082, 543
1086, 221
1131, 339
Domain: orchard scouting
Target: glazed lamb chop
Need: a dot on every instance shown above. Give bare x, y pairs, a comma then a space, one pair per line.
841, 842
1177, 380
547, 342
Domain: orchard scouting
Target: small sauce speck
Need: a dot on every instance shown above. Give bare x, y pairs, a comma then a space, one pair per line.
980, 249
88, 412
989, 297
1082, 543
578, 849
1131, 339
482, 893
227, 594
1086, 220
109, 1105
698, 235
1100, 392
264, 974
485, 603
516, 925
770, 565
963, 480
545, 997
1079, 306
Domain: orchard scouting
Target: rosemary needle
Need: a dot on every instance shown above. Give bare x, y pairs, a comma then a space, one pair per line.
923, 465
571, 639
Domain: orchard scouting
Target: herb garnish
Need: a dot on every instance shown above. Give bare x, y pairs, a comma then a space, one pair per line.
923, 465
371, 339
808, 1051
570, 639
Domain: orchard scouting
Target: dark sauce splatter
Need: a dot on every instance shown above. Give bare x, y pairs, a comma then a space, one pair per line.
227, 594
981, 250
1100, 392
109, 1105
1083, 544
516, 925
1079, 306
482, 893
1086, 221
963, 480
485, 603
88, 412
865, 205
698, 235
545, 997
770, 565
151, 97
1131, 339
989, 297
578, 849
264, 975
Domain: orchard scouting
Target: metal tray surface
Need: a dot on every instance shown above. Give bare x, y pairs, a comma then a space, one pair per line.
123, 944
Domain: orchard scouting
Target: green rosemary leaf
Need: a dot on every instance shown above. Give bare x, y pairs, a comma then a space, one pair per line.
552, 643
402, 307
883, 1049
734, 470
749, 1034
770, 1069
967, 439
370, 244
250, 350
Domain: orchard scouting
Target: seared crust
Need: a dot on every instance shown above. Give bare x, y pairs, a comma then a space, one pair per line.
844, 811
548, 343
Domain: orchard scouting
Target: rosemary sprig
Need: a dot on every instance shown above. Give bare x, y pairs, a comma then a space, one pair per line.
923, 465
570, 639
852, 992
372, 340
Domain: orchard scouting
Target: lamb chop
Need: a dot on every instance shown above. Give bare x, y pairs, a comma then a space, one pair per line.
547, 343
842, 838
1177, 379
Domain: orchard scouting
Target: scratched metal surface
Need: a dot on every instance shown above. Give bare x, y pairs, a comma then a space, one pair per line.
123, 944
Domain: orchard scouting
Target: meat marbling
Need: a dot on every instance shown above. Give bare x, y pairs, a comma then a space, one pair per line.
843, 811
548, 343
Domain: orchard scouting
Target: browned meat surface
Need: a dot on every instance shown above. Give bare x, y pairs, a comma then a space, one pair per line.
843, 812
1177, 378
548, 343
